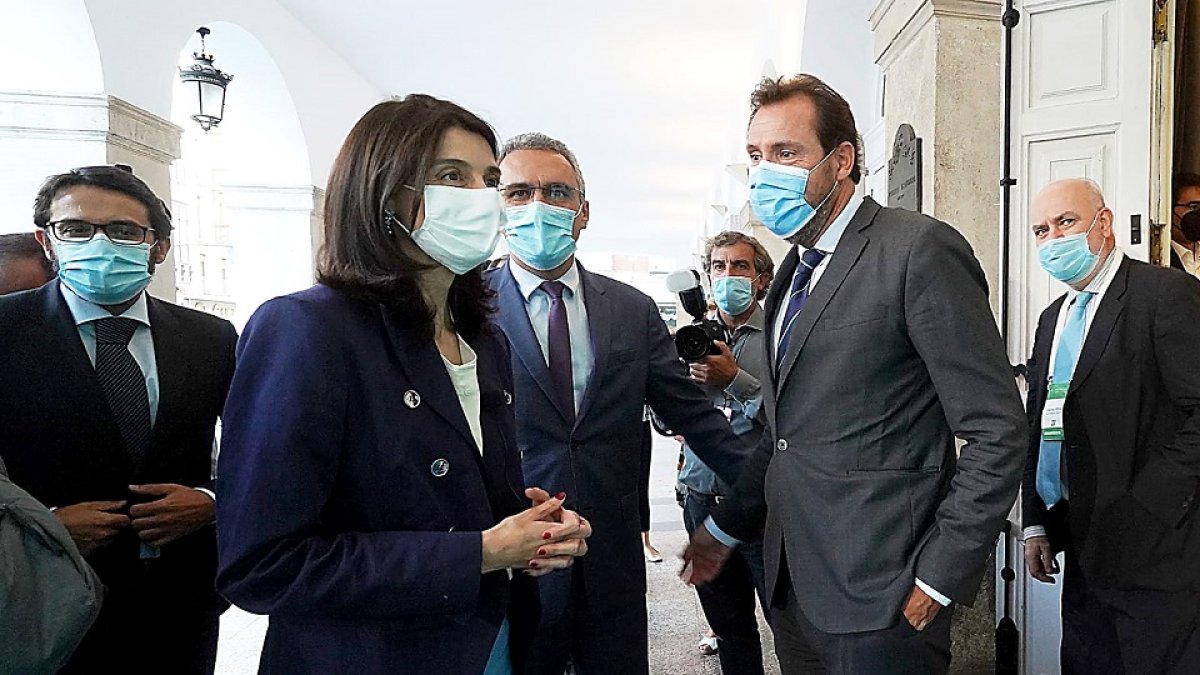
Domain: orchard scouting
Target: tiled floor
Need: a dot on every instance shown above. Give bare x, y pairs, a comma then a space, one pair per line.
676, 622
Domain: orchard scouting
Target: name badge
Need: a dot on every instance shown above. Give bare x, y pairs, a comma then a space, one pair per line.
1052, 412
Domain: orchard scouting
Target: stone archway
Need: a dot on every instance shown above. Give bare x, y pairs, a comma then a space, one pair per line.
242, 193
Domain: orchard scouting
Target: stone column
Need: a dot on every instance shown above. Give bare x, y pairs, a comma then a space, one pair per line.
941, 63
149, 144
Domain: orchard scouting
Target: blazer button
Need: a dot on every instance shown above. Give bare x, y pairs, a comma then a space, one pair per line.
412, 399
507, 398
781, 445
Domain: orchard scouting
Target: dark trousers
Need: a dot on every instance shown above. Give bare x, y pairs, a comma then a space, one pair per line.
1109, 631
728, 600
597, 641
136, 635
899, 649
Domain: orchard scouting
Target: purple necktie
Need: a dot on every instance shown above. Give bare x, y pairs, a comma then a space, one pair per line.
558, 335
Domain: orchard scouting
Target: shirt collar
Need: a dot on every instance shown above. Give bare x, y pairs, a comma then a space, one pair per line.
1183, 251
829, 240
528, 282
86, 312
756, 321
1102, 281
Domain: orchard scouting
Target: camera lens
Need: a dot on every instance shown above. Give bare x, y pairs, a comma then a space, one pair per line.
692, 343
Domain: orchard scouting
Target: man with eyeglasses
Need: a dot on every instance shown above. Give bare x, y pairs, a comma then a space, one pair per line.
111, 398
1185, 223
588, 353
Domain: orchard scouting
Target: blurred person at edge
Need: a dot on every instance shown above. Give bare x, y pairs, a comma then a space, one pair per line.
23, 263
373, 503
1185, 223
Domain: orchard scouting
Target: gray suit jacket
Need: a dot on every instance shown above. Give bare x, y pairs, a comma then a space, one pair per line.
857, 478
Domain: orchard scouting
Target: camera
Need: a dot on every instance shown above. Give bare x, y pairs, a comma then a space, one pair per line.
695, 341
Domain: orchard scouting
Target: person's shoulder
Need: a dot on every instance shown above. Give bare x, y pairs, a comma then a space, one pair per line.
620, 292
18, 308
193, 319
1159, 281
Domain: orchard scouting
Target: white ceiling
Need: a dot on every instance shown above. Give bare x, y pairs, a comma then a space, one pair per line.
652, 96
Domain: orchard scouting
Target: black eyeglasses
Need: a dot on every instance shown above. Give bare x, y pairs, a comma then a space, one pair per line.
1190, 206
118, 231
519, 194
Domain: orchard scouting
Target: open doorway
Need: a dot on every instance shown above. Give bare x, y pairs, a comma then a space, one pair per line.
1183, 250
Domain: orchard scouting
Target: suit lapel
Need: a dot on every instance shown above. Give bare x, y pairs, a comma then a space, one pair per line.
849, 248
513, 317
169, 355
1102, 326
780, 288
79, 391
422, 362
601, 318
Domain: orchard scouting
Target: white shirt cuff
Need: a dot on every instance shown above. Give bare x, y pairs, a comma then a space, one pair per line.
719, 534
1033, 531
941, 599
212, 495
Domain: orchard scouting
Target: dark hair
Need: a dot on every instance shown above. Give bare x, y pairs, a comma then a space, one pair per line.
117, 178
1181, 181
394, 144
835, 122
762, 260
24, 245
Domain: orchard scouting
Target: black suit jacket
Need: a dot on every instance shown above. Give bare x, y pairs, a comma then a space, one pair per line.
1132, 433
857, 478
61, 443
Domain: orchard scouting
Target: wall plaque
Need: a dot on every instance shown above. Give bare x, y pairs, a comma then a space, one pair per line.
904, 170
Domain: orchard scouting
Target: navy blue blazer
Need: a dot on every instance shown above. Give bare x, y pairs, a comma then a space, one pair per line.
597, 461
353, 494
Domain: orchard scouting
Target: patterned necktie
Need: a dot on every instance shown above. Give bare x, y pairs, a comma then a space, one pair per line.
123, 383
1050, 483
799, 295
558, 337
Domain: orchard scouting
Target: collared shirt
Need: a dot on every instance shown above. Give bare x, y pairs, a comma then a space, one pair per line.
537, 305
1099, 286
828, 244
141, 346
1187, 256
742, 400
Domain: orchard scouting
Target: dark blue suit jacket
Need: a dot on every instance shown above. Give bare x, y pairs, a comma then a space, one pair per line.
353, 494
597, 460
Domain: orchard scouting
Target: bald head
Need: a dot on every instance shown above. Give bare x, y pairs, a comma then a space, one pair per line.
1070, 207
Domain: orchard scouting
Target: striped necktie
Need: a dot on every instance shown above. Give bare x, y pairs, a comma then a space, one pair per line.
796, 300
123, 384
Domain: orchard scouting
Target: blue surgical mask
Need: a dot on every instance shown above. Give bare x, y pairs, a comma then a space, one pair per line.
777, 196
102, 272
540, 234
461, 228
733, 295
1069, 259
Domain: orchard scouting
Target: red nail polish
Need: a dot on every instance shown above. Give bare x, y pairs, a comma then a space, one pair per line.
542, 552
533, 564
560, 496
546, 535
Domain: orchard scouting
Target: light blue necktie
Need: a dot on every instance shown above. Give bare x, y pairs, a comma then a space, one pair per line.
1049, 469
499, 662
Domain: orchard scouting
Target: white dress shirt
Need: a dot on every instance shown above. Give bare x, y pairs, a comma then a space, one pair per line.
537, 305
1099, 286
1191, 261
828, 244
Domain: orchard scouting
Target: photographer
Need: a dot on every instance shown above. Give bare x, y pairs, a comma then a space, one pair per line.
740, 270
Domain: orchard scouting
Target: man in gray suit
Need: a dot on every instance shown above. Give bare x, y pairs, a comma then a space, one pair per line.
883, 349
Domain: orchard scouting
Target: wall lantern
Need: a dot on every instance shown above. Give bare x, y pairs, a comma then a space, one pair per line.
210, 85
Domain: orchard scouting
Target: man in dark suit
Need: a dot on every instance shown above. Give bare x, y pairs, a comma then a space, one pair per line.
588, 353
1185, 236
883, 350
1113, 471
110, 400
23, 265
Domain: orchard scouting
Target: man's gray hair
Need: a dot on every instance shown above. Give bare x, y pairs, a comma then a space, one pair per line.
539, 141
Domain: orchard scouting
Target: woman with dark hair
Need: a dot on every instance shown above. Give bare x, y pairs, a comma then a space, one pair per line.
370, 486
